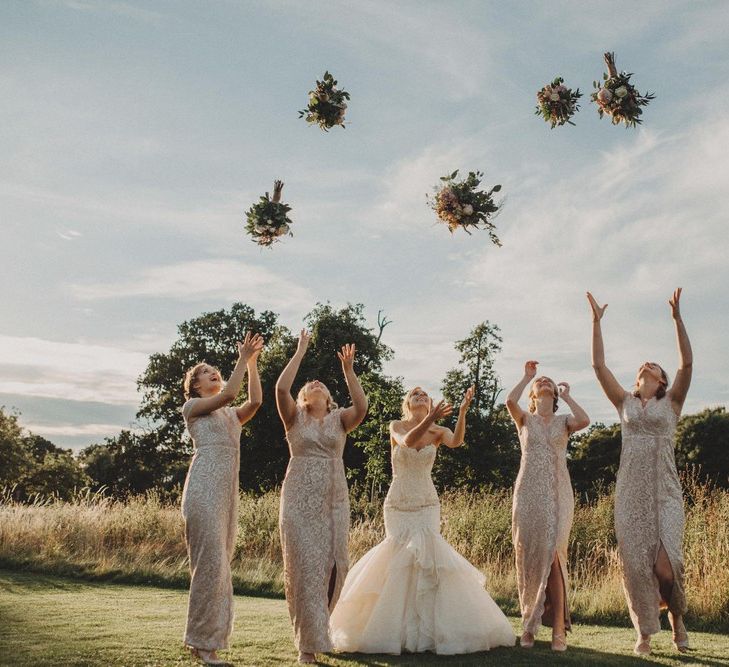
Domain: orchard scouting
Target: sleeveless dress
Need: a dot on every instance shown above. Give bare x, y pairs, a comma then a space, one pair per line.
542, 513
413, 592
210, 512
649, 508
314, 525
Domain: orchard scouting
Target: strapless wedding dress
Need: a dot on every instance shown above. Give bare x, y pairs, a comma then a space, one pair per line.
413, 592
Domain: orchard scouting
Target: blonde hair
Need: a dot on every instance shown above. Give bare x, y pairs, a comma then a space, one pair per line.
301, 397
405, 407
189, 381
533, 394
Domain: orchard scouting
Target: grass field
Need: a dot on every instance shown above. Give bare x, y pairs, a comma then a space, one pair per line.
48, 620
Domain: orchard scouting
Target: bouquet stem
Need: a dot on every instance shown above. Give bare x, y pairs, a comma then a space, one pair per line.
610, 62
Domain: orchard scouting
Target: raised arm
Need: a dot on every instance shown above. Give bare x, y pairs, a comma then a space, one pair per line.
255, 393
578, 419
284, 400
685, 356
512, 400
277, 188
353, 415
204, 406
455, 438
607, 380
417, 436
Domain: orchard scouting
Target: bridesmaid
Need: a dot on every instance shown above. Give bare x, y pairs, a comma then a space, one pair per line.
210, 496
314, 515
649, 514
543, 504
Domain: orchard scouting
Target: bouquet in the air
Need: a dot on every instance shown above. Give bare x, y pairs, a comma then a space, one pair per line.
267, 220
460, 203
617, 97
326, 104
557, 103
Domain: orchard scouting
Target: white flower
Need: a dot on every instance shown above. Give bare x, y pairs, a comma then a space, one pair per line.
269, 221
621, 92
554, 97
468, 209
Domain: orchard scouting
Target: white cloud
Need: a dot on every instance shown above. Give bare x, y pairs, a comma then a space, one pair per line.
203, 279
92, 431
73, 371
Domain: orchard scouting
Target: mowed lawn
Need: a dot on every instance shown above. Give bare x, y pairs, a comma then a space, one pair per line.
46, 620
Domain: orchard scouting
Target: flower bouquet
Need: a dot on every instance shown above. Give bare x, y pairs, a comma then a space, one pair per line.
267, 220
557, 103
459, 203
617, 97
326, 104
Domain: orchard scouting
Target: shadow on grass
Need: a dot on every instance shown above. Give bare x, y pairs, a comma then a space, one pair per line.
541, 655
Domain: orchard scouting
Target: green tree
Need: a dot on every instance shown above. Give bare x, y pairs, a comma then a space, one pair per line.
16, 461
593, 459
30, 464
264, 452
490, 455
702, 442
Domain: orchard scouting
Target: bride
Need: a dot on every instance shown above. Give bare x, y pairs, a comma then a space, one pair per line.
413, 592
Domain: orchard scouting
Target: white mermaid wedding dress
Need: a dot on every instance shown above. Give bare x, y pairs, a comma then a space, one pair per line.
413, 592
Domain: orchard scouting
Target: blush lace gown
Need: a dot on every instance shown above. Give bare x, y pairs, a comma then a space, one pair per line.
542, 513
649, 508
314, 525
413, 592
210, 512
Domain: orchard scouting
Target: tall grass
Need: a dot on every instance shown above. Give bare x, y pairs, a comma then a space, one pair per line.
141, 540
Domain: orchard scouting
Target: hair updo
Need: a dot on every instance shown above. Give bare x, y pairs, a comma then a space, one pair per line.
662, 388
189, 381
533, 395
301, 397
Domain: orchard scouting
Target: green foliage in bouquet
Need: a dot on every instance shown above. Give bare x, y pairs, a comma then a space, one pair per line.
557, 103
327, 105
267, 221
459, 203
617, 97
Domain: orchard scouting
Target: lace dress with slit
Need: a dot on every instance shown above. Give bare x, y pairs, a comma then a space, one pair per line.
542, 513
314, 525
210, 513
649, 509
413, 592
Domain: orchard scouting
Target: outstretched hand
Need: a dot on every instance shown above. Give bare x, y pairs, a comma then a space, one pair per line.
251, 346
597, 310
346, 356
530, 368
674, 303
304, 340
467, 398
439, 411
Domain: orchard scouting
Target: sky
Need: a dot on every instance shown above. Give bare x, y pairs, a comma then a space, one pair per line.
134, 135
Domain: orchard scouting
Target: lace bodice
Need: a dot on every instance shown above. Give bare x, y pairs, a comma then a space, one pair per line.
320, 439
220, 428
412, 486
656, 419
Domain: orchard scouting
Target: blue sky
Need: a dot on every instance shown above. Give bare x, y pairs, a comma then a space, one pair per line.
134, 135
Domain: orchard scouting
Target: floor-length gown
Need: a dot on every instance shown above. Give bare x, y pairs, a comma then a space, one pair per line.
413, 592
542, 515
210, 512
649, 508
314, 523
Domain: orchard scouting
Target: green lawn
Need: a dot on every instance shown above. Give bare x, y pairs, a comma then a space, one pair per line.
46, 620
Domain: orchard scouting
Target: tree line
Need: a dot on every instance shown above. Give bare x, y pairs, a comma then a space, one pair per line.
156, 455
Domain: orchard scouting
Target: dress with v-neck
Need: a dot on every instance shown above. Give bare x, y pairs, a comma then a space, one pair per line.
542, 513
649, 508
